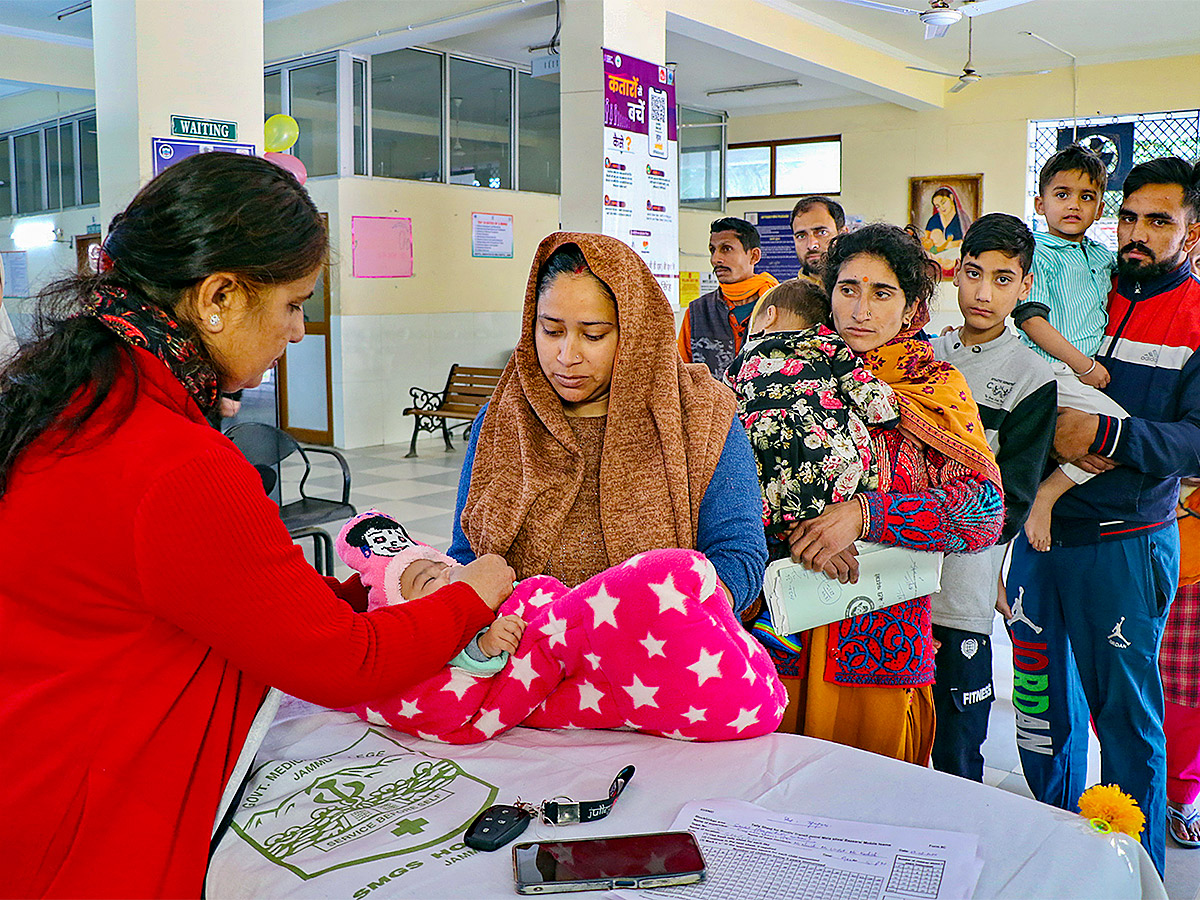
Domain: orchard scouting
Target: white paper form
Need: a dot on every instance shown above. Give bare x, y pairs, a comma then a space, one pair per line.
750, 851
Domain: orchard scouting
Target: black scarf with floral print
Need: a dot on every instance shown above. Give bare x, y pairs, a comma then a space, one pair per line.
146, 325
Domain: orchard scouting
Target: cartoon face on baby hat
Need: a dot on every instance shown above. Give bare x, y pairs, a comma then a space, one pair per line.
376, 534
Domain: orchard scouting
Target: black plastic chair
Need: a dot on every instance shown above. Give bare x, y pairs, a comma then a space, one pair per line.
266, 446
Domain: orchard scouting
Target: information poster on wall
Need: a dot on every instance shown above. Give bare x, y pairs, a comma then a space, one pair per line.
491, 235
641, 181
168, 151
778, 246
16, 273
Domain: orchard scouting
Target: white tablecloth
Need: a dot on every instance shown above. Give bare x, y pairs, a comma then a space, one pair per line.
327, 812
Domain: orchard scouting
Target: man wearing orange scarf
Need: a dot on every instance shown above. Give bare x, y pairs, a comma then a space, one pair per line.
714, 326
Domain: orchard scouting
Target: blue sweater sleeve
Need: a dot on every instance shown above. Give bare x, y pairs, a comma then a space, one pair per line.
730, 530
460, 549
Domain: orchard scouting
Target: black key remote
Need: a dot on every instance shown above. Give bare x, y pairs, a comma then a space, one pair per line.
495, 827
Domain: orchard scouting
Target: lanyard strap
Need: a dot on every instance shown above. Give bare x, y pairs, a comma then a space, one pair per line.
570, 811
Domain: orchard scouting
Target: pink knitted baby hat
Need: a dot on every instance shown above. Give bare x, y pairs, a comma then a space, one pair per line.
397, 565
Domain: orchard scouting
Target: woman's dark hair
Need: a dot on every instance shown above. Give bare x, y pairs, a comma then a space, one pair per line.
567, 259
917, 273
943, 192
213, 212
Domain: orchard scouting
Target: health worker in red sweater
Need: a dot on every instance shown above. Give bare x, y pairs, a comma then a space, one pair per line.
150, 593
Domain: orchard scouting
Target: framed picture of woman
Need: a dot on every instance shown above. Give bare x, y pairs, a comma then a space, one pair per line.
941, 209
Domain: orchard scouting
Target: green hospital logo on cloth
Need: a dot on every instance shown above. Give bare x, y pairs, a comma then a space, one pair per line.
309, 816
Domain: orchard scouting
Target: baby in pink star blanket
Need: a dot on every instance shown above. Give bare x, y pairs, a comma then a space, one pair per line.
649, 645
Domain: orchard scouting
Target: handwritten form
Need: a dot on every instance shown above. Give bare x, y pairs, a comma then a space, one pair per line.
750, 851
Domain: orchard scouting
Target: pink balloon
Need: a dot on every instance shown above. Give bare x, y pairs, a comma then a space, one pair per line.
289, 162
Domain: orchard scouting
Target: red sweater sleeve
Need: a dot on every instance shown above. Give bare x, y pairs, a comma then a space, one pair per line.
352, 590
214, 559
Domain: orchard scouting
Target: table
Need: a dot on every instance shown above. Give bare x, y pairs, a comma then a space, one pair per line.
340, 808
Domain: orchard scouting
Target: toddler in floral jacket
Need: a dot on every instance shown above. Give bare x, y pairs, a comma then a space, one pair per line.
805, 401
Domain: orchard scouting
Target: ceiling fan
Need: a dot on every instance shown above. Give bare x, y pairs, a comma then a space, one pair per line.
941, 13
969, 75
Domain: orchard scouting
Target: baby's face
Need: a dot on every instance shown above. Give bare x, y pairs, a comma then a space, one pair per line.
423, 578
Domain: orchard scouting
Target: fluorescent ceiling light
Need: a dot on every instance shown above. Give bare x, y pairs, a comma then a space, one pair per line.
761, 86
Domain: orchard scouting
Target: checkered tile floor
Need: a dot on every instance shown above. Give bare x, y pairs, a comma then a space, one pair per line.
420, 492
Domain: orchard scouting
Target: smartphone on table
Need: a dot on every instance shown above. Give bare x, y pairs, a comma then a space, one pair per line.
606, 863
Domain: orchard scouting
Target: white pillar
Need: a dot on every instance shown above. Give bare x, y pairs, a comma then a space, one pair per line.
637, 28
158, 58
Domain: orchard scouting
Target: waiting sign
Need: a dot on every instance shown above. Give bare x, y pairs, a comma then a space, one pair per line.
207, 129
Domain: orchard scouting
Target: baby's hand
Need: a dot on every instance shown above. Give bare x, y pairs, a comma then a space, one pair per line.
1097, 378
504, 634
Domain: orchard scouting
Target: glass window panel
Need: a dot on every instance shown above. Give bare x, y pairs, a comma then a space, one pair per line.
52, 179
360, 143
314, 107
810, 168
6, 207
272, 95
480, 123
27, 148
406, 115
89, 168
748, 171
315, 306
538, 133
701, 143
66, 163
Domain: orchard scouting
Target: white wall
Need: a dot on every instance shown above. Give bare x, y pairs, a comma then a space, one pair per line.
46, 263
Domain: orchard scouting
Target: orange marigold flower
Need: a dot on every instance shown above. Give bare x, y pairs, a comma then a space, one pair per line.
1114, 807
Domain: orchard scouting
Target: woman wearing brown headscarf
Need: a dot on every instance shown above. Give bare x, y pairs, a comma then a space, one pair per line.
600, 442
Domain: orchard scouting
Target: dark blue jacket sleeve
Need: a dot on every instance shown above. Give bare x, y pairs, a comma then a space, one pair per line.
460, 550
1158, 449
730, 529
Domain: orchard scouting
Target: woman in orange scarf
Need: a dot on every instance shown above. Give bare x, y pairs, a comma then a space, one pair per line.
600, 442
868, 684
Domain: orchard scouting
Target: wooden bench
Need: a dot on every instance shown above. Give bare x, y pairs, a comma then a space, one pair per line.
467, 389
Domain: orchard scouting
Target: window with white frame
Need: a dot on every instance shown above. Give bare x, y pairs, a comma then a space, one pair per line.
406, 115
421, 115
701, 158
49, 166
538, 123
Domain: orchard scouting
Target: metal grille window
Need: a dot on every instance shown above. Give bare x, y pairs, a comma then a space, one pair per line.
1154, 134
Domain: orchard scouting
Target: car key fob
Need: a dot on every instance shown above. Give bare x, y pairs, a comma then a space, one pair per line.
495, 827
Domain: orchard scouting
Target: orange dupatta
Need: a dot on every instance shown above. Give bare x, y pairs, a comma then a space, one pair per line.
936, 406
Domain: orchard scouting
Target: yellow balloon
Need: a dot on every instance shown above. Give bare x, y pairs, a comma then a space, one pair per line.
279, 133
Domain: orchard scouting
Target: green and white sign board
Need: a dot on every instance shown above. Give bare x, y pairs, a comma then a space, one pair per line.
208, 129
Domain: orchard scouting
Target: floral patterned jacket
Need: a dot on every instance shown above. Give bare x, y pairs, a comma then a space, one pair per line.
805, 400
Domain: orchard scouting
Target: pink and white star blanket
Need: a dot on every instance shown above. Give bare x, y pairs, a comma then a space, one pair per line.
650, 645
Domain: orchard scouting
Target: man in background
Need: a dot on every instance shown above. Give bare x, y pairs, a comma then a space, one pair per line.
815, 221
714, 325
